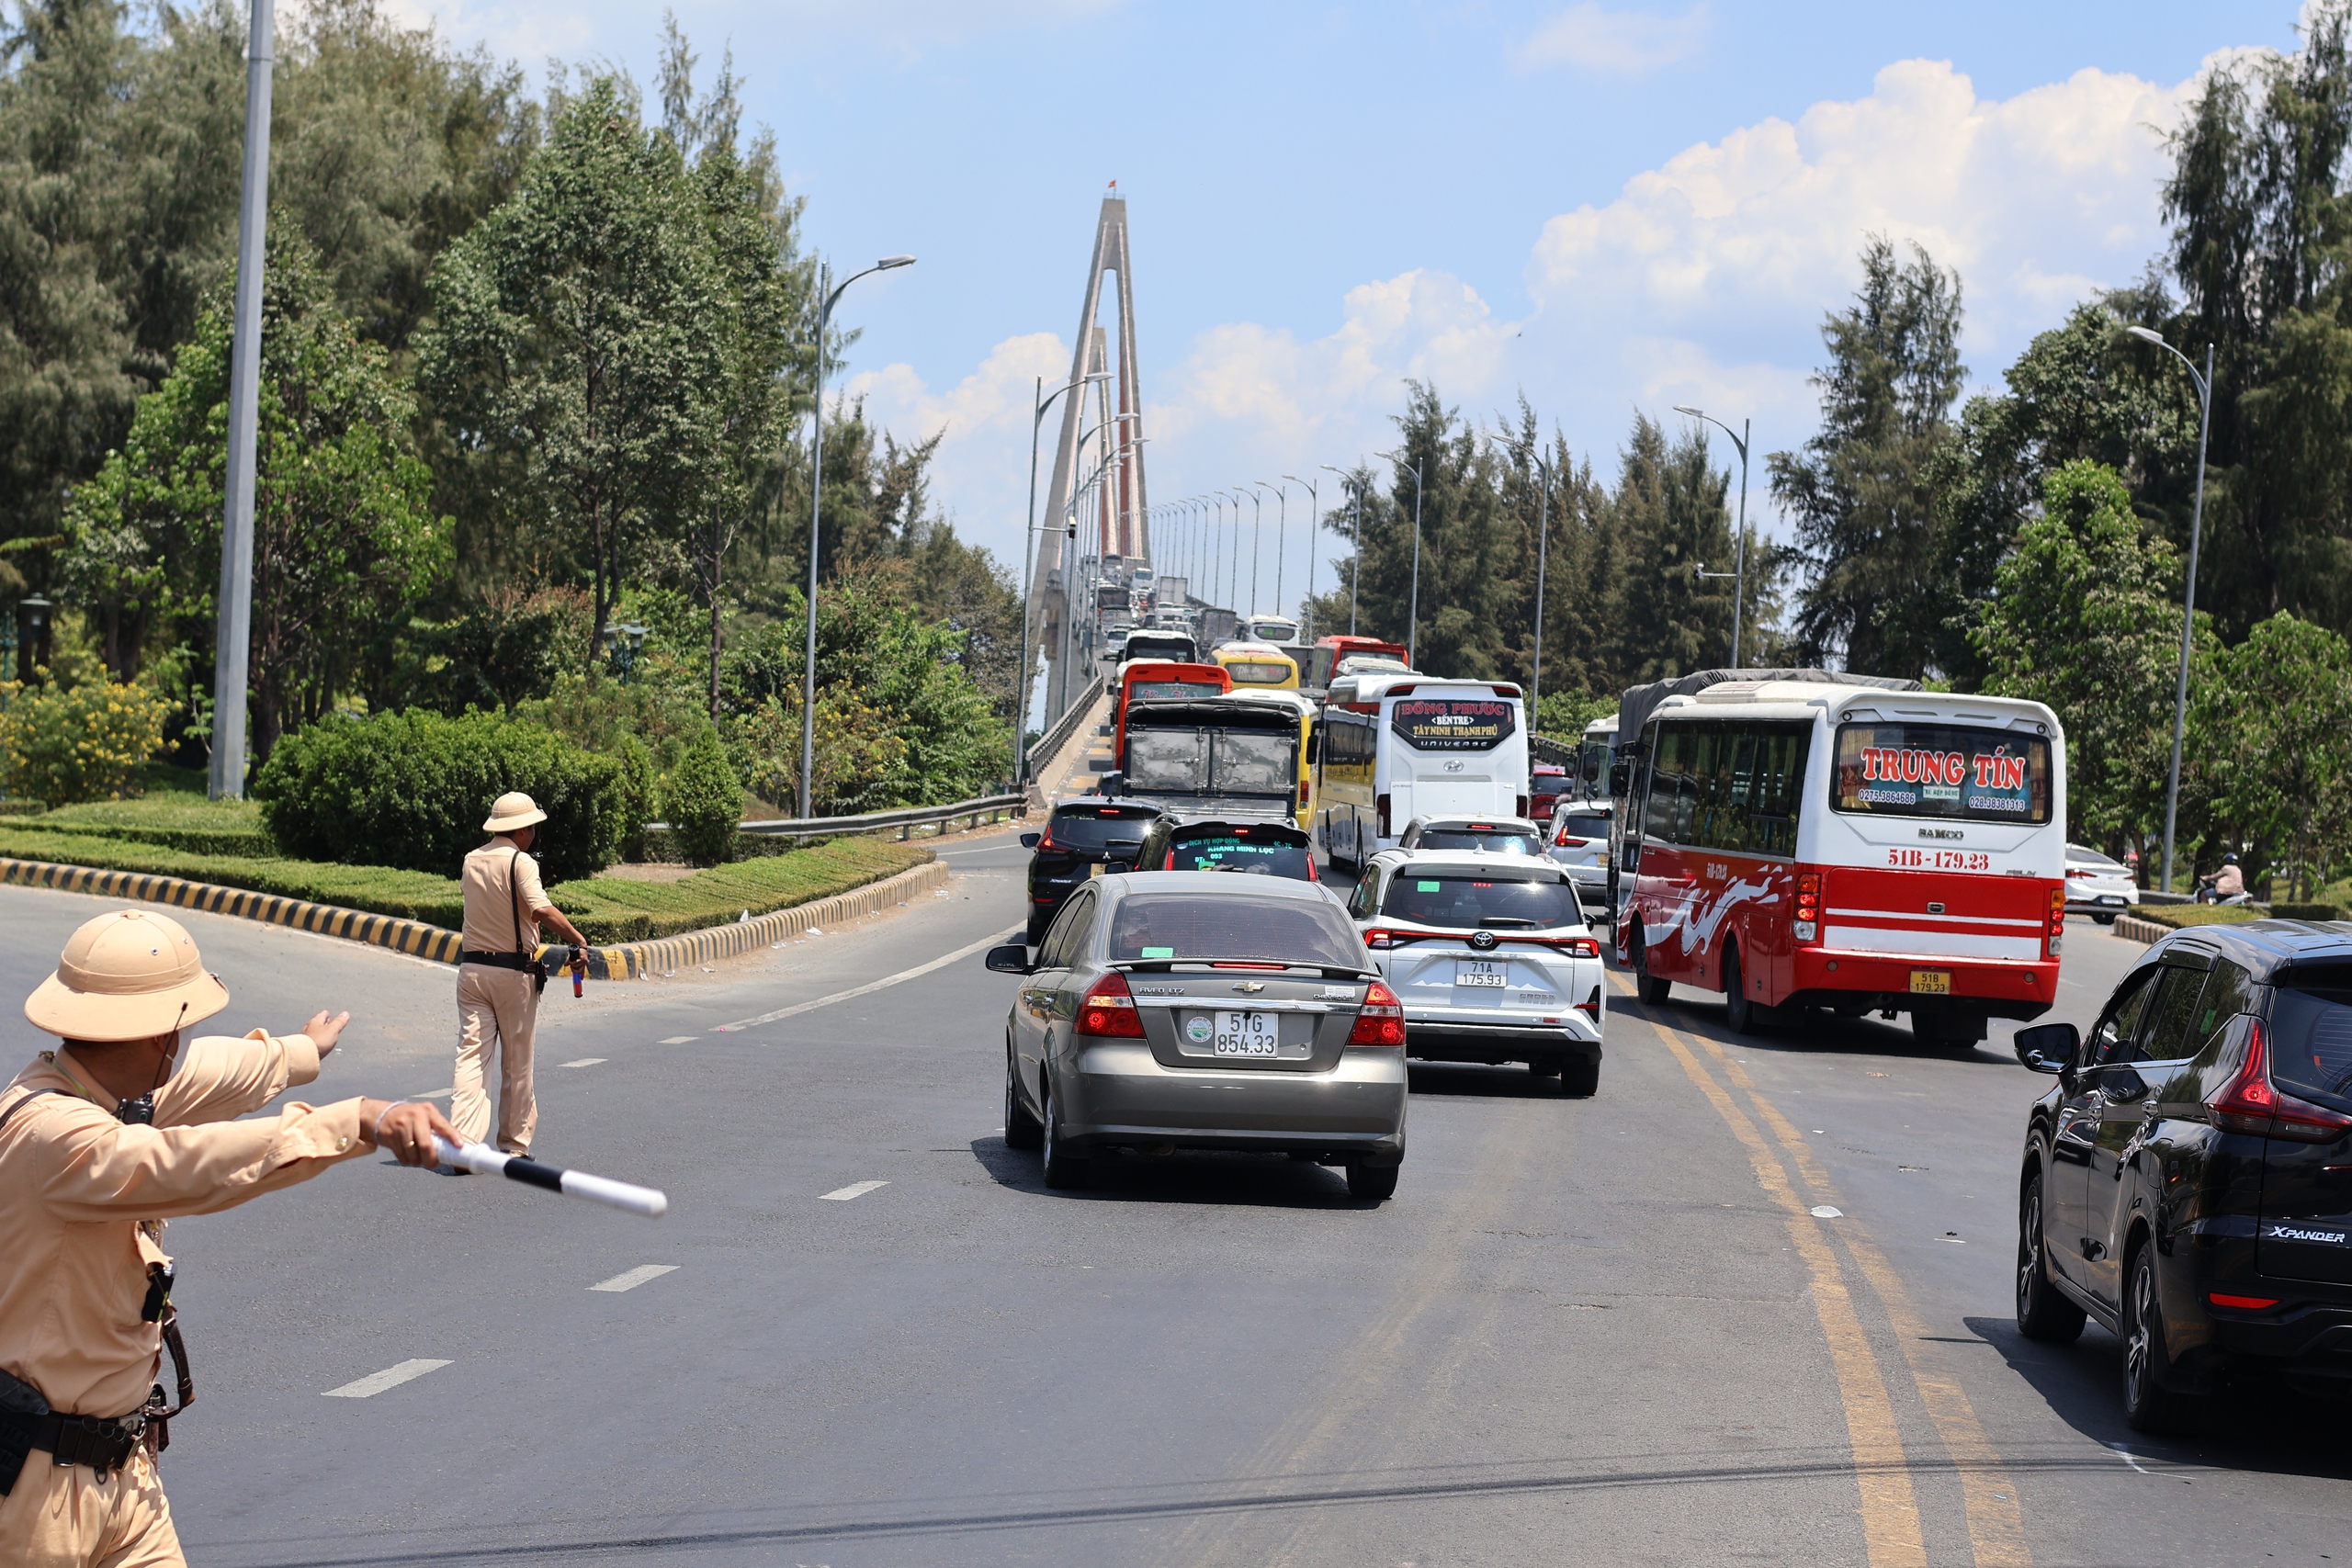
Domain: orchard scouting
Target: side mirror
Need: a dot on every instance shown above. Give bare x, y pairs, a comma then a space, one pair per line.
2049, 1047
1621, 775
1011, 959
1113, 784
1031, 841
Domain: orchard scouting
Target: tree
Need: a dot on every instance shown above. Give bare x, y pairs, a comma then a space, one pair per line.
2277, 714
1672, 520
1859, 493
2084, 617
576, 347
343, 535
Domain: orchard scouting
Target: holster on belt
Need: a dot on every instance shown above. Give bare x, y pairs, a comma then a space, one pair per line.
104, 1443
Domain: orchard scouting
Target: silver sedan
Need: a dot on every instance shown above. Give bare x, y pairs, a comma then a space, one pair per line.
1175, 1009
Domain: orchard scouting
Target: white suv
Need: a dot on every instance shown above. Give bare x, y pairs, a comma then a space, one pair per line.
1579, 841
1491, 958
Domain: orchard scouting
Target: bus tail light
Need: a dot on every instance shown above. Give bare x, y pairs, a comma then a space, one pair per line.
1380, 809
1807, 925
1302, 794
1109, 1010
2057, 918
1381, 1020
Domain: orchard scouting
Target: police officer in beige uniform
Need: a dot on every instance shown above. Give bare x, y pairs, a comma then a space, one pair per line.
498, 974
101, 1141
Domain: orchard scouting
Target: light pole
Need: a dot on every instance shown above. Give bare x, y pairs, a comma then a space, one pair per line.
1356, 568
1542, 545
1281, 518
1413, 613
1038, 404
1739, 555
1233, 552
2189, 605
1313, 524
1256, 542
829, 295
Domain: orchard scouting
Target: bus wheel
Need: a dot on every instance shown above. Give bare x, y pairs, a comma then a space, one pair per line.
1739, 1012
1652, 990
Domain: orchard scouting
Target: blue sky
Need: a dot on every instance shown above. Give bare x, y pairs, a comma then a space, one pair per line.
1607, 206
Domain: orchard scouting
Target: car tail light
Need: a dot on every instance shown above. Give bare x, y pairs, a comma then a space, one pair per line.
1380, 806
1312, 874
1381, 1021
2249, 1103
1807, 924
1380, 939
1109, 1011
2057, 919
1566, 842
2243, 1303
1171, 864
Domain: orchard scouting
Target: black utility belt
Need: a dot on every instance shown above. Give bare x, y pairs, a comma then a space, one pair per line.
102, 1444
515, 960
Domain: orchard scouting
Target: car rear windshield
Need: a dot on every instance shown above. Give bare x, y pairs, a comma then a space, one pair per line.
1234, 925
1094, 828
2310, 1050
1445, 898
1257, 673
1474, 839
1953, 771
1584, 826
1269, 852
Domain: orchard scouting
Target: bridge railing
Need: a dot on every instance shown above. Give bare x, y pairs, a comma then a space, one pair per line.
994, 807
1050, 743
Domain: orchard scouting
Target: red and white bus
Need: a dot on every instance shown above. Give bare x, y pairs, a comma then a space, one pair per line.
1806, 844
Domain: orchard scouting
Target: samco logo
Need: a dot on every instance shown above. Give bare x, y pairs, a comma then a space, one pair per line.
1991, 771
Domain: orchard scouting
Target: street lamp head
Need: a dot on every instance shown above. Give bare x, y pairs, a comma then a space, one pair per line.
2148, 335
886, 262
1686, 408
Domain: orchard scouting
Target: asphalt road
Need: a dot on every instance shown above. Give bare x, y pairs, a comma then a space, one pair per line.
1584, 1331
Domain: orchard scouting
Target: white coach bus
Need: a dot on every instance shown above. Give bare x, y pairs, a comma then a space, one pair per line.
1395, 744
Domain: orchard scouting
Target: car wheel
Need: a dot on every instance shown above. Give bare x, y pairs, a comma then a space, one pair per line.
1548, 1067
1022, 1131
1580, 1080
1063, 1168
2043, 1313
1739, 1013
2103, 920
1371, 1184
2148, 1405
1652, 990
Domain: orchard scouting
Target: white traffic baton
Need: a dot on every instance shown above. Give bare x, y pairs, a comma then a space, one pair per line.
483, 1160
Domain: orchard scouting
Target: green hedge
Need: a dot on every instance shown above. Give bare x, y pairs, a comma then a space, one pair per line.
606, 908
2305, 912
2178, 915
410, 789
253, 845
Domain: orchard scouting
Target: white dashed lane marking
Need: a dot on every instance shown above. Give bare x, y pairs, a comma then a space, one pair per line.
585, 1062
681, 1039
374, 1383
855, 1189
868, 989
636, 1277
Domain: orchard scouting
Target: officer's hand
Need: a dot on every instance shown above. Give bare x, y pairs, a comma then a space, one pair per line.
407, 1130
325, 1031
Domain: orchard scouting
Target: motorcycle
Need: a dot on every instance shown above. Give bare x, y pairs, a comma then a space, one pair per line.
2207, 894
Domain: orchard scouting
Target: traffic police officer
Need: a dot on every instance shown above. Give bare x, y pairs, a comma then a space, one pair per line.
499, 978
101, 1141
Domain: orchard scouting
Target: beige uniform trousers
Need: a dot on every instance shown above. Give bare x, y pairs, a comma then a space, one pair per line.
497, 1006
63, 1516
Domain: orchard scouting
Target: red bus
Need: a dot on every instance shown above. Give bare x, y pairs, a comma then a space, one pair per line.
1323, 660
1147, 678
1800, 845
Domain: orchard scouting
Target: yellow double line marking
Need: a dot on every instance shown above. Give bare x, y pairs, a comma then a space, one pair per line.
1889, 1509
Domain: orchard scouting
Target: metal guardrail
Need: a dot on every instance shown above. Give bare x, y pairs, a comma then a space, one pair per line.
992, 807
1053, 740
1544, 749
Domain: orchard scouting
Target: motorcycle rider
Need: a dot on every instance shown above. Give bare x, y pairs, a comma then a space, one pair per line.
2226, 886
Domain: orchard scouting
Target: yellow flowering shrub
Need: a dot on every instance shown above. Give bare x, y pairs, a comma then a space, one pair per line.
63, 746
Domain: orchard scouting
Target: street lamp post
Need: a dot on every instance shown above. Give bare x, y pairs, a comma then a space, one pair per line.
1313, 525
1233, 547
2189, 605
1256, 542
829, 295
1356, 568
1282, 520
1413, 613
1739, 555
1543, 549
1028, 567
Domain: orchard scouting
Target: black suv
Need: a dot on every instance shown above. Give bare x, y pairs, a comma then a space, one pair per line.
1079, 836
2189, 1181
1185, 840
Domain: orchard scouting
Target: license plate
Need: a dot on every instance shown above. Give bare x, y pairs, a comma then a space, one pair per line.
1479, 971
1931, 982
1246, 1034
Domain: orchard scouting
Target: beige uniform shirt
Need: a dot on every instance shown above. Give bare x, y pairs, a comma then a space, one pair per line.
494, 903
82, 1198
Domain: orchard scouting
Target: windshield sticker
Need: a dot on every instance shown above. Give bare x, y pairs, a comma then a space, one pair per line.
1424, 886
1198, 1030
1159, 953
1453, 724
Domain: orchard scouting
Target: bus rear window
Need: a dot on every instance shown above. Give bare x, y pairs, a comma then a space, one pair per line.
1140, 691
1267, 853
1950, 771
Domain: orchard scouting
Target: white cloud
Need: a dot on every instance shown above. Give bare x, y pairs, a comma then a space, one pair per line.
1627, 42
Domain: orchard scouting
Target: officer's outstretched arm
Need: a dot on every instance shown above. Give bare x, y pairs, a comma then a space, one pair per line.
91, 1166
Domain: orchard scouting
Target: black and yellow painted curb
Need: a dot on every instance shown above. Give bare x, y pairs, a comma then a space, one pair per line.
630, 961
412, 937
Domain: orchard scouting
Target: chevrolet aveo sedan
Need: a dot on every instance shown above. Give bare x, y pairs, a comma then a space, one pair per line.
1194, 1010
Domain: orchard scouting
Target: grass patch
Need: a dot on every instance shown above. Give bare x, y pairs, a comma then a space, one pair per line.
171, 813
607, 909
2179, 915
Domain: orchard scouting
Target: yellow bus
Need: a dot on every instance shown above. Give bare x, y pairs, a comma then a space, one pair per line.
1258, 666
1298, 703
